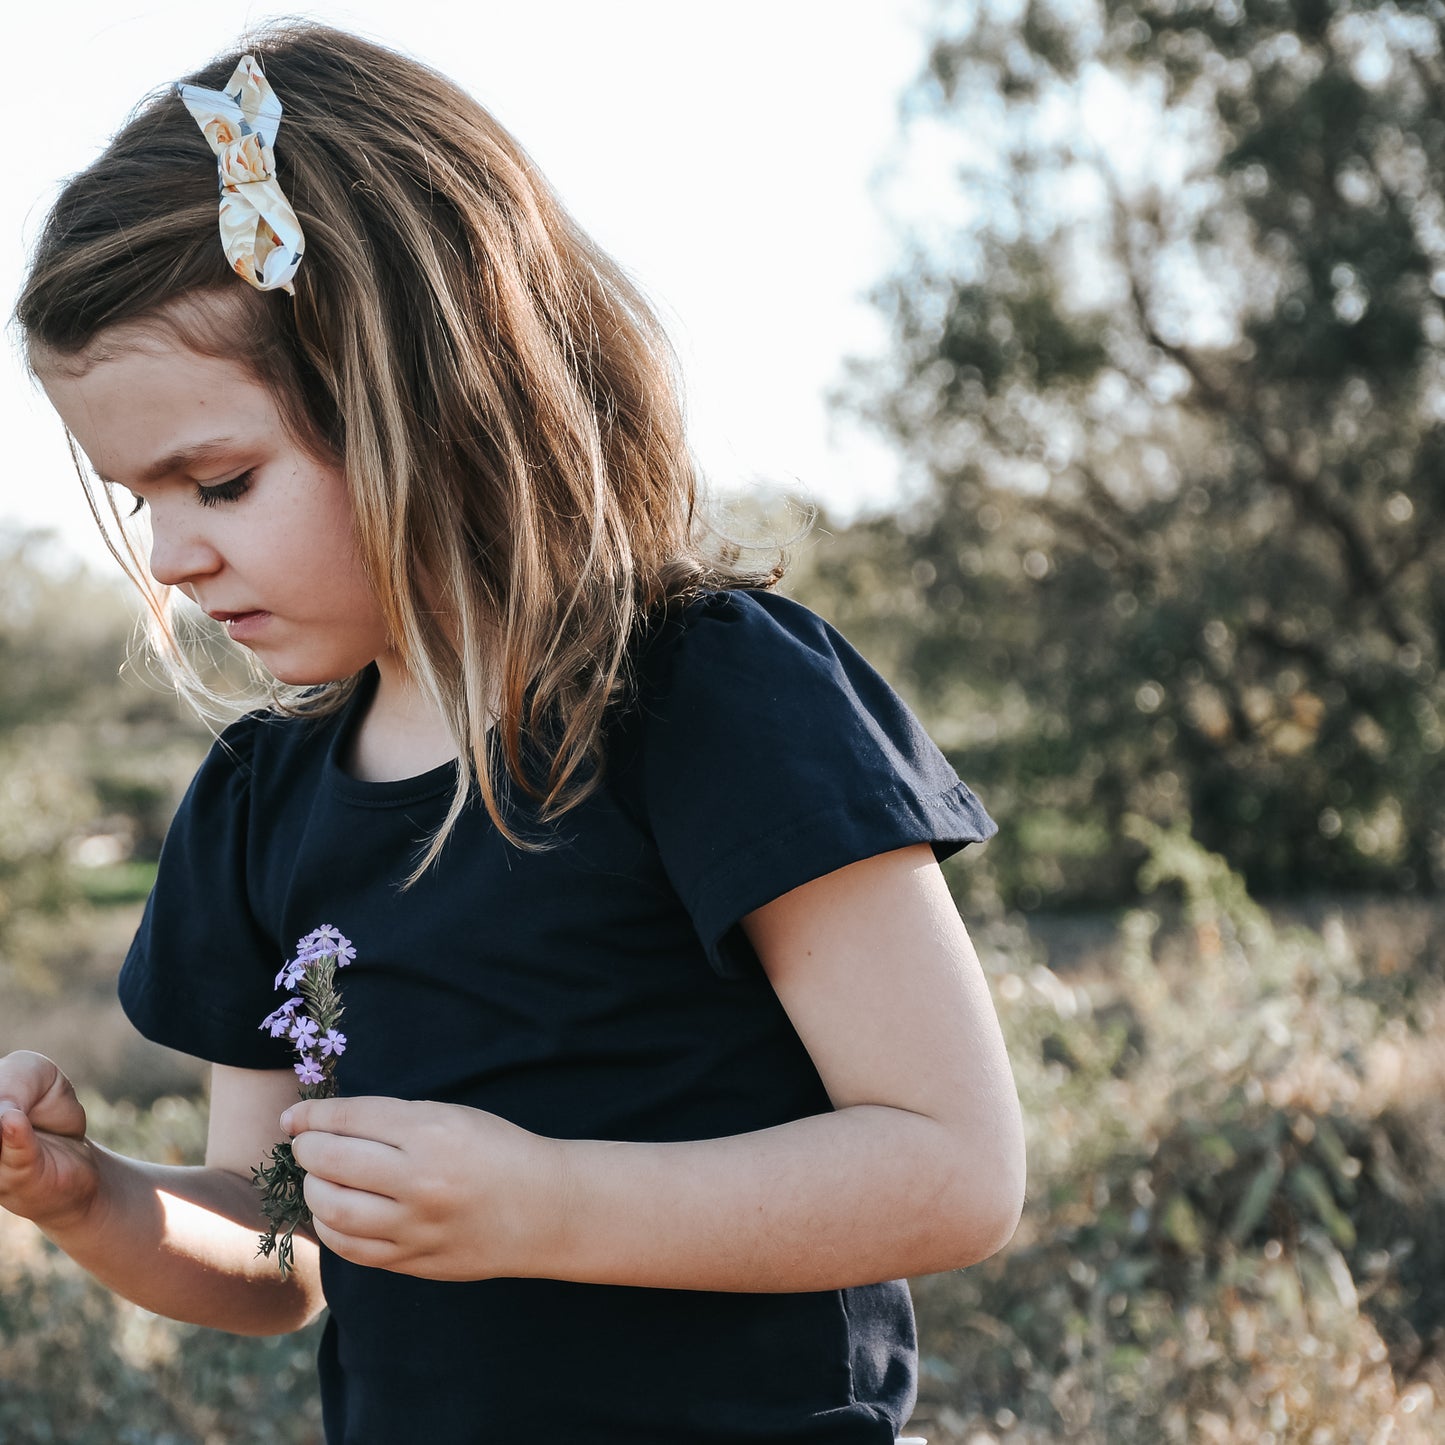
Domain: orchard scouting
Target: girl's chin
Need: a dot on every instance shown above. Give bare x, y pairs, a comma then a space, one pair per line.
300, 666
299, 674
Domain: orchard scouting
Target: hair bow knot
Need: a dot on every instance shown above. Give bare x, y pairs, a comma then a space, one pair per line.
259, 231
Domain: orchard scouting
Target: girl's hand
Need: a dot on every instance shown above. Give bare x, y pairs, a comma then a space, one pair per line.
48, 1170
434, 1190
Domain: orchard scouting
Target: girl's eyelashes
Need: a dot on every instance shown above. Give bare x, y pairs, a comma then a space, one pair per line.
229, 491
212, 494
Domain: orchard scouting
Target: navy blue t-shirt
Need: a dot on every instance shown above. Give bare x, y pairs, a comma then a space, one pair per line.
601, 989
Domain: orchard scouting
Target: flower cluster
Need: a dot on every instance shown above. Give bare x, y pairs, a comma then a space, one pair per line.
314, 1034
308, 1018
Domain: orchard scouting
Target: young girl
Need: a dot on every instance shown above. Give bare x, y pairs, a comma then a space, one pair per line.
668, 1054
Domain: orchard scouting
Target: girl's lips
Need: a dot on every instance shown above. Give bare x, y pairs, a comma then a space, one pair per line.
240, 626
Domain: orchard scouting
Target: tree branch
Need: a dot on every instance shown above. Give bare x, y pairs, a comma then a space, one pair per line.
1368, 577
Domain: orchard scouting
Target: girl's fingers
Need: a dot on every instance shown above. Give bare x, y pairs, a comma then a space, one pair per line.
364, 1118
350, 1212
17, 1139
354, 1163
378, 1253
43, 1176
36, 1087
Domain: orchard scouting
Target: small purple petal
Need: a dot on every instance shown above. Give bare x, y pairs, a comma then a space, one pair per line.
333, 1043
290, 975
280, 1021
286, 1008
308, 1071
304, 1031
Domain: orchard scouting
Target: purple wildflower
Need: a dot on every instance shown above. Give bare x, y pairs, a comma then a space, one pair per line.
318, 1043
280, 1021
303, 1034
308, 1071
290, 975
319, 940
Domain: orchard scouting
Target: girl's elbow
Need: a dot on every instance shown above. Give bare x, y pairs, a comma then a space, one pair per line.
270, 1321
307, 1311
1008, 1211
287, 1303
993, 1225
990, 1203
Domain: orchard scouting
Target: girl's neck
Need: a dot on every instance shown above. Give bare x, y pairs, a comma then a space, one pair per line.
400, 734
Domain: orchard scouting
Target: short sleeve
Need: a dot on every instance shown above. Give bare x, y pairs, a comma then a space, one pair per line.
771, 754
200, 973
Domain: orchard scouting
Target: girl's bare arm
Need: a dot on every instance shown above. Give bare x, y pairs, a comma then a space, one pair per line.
180, 1241
919, 1168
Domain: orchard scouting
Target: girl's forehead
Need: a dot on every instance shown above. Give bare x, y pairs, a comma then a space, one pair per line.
135, 404
211, 319
165, 372
46, 362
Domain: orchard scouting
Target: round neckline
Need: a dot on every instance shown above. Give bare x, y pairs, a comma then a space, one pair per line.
394, 791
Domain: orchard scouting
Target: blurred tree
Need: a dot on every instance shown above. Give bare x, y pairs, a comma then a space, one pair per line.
55, 626
61, 630
91, 764
1174, 379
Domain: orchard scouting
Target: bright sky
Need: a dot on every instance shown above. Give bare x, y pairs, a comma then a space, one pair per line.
724, 154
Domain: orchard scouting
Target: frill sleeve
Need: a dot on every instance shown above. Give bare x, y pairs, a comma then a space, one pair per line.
200, 973
771, 754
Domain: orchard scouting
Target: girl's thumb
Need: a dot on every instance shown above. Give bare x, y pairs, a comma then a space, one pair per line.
17, 1138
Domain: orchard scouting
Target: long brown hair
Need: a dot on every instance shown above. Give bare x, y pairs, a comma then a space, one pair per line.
502, 400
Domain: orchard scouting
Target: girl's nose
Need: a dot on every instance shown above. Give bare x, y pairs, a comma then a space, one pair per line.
179, 553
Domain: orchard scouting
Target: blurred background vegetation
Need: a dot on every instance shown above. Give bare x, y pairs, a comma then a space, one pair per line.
1169, 366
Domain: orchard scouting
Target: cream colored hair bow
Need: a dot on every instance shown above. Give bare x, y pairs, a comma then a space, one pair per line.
259, 231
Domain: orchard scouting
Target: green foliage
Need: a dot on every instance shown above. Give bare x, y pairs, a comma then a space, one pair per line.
118, 883
60, 630
1181, 410
91, 763
1236, 1210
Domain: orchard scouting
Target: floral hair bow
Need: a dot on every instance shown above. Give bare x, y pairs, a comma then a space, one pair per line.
259, 231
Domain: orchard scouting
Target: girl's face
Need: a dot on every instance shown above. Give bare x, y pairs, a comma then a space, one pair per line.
249, 525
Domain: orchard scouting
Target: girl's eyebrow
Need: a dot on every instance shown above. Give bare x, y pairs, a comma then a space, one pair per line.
183, 458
